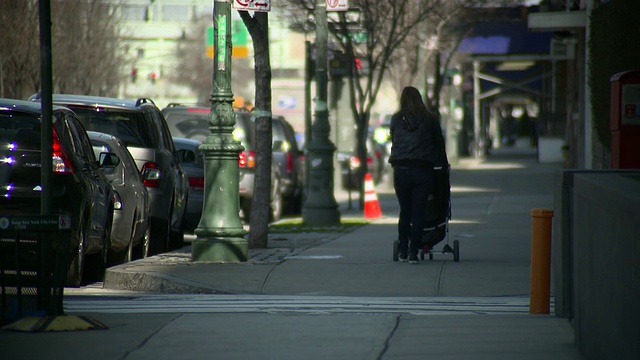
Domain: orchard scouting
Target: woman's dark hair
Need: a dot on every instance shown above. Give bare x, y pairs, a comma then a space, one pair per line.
411, 101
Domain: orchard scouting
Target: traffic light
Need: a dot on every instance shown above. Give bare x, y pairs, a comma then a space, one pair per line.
153, 76
134, 75
358, 63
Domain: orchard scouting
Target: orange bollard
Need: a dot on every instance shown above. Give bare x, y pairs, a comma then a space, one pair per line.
540, 261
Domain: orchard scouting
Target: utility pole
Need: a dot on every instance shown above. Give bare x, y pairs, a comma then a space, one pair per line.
320, 207
220, 235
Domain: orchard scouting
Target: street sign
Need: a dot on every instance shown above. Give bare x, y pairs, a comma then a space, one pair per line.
252, 5
337, 5
35, 223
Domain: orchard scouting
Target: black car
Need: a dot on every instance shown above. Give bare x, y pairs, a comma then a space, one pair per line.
193, 122
80, 189
141, 126
192, 162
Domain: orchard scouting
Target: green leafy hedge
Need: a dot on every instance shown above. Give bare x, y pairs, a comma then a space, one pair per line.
614, 46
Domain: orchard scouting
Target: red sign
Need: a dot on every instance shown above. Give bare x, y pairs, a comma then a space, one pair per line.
252, 5
337, 5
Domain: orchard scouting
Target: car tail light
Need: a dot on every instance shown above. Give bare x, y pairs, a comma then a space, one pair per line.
61, 162
117, 201
354, 162
196, 182
150, 174
247, 159
289, 162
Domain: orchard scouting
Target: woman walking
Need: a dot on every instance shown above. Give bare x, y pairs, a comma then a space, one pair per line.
417, 145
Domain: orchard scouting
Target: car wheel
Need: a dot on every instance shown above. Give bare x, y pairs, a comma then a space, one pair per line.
96, 264
176, 237
141, 249
159, 236
294, 204
76, 266
245, 204
276, 202
123, 256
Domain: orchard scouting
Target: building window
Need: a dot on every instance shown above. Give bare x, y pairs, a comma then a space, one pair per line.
134, 12
175, 13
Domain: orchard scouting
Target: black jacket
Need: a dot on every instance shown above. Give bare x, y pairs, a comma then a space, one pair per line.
416, 141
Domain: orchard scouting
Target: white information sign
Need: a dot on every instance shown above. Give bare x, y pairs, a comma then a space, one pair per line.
337, 5
252, 5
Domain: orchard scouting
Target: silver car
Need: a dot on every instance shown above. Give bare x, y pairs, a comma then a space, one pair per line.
131, 229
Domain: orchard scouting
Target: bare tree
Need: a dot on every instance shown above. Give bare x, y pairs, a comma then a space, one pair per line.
86, 48
19, 49
88, 56
429, 49
258, 26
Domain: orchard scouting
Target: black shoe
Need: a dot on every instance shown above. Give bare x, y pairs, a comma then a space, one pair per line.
414, 260
403, 258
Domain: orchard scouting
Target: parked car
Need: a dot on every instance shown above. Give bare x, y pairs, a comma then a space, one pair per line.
79, 188
290, 160
193, 122
192, 162
349, 163
131, 231
141, 126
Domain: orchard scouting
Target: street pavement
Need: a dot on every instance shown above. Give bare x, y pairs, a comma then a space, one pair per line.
330, 295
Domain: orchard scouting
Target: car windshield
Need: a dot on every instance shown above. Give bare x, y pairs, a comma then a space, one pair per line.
19, 129
129, 126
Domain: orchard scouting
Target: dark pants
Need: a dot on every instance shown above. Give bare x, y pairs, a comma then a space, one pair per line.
412, 186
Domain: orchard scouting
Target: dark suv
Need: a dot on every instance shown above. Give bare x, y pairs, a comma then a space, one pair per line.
79, 188
193, 122
141, 126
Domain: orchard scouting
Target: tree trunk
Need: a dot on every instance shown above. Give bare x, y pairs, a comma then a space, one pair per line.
260, 209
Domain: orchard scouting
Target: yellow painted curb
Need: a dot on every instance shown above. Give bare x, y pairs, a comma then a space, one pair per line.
55, 323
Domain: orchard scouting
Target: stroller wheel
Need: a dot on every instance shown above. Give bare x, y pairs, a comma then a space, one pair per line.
396, 245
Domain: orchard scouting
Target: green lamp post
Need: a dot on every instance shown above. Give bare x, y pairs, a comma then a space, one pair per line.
321, 207
220, 235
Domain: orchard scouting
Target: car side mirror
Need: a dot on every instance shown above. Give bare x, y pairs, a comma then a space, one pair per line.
186, 156
278, 146
108, 159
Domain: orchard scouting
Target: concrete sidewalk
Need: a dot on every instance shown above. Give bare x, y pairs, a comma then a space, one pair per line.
339, 296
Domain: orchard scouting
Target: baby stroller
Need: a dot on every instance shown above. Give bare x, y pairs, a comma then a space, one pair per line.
437, 219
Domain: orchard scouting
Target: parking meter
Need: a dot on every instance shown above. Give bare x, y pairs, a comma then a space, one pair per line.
625, 120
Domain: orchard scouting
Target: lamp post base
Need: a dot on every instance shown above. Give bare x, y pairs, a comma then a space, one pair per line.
219, 249
321, 216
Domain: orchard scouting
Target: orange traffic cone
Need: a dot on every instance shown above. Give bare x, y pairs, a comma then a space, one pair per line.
371, 204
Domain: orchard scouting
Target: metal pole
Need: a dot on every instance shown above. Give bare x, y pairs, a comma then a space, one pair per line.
220, 235
321, 207
476, 110
45, 299
540, 261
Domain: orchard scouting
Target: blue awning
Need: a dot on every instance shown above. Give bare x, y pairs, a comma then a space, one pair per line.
505, 38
